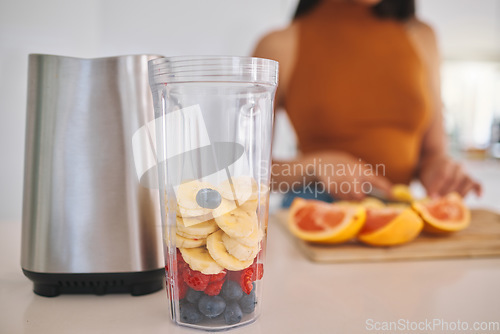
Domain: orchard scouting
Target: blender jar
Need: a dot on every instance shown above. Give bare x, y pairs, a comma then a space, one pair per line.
214, 118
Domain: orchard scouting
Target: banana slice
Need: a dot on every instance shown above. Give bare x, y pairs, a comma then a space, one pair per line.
238, 223
254, 238
263, 191
225, 206
250, 205
190, 221
239, 251
220, 254
239, 188
253, 204
199, 259
186, 195
198, 231
193, 213
244, 190
183, 242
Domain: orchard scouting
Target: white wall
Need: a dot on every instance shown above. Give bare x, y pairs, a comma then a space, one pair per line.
467, 29
94, 28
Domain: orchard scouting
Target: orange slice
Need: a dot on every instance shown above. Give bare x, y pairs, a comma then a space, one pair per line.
368, 202
320, 222
372, 202
390, 226
402, 193
443, 215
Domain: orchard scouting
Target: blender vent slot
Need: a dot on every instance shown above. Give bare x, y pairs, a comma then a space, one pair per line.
83, 284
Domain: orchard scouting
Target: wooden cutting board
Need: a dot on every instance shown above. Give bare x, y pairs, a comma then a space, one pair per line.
480, 239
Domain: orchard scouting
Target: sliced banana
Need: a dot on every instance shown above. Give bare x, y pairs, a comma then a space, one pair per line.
255, 204
198, 231
239, 188
194, 213
183, 242
220, 254
250, 205
239, 251
190, 221
254, 238
186, 194
238, 223
263, 191
225, 206
199, 259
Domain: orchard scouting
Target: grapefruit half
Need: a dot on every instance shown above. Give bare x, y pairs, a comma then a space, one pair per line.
443, 215
320, 222
390, 226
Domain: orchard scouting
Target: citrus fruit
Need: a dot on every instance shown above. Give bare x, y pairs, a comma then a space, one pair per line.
390, 226
398, 205
368, 202
372, 202
443, 215
320, 222
402, 193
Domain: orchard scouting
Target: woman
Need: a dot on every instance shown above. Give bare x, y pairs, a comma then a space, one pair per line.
359, 80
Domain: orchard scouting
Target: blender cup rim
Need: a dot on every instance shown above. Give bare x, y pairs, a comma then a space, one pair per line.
181, 69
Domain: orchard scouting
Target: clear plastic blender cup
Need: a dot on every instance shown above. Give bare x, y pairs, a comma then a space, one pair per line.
214, 118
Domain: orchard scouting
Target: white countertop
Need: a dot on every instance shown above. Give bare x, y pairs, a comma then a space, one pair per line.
299, 296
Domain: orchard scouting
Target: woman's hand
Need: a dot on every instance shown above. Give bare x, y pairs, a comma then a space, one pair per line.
441, 175
345, 176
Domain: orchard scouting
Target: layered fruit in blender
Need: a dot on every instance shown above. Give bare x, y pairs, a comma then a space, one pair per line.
214, 277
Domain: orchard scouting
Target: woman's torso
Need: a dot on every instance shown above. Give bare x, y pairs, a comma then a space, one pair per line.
359, 86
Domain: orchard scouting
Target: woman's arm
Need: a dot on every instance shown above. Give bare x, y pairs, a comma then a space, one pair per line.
281, 46
438, 173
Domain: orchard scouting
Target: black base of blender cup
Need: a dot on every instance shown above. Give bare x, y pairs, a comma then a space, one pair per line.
135, 283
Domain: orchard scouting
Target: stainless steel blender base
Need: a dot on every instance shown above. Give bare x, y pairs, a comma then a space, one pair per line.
89, 225
135, 283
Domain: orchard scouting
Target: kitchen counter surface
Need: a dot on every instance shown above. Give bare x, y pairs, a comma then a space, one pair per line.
299, 296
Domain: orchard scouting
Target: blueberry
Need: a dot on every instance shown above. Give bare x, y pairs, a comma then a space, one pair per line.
190, 314
232, 313
208, 198
193, 296
211, 306
247, 302
231, 290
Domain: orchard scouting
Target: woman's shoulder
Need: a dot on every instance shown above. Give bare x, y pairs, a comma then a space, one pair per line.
423, 31
424, 40
280, 45
277, 44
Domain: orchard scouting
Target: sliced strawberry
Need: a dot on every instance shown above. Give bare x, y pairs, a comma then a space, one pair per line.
180, 259
246, 280
233, 275
213, 288
258, 271
218, 277
179, 282
195, 279
183, 288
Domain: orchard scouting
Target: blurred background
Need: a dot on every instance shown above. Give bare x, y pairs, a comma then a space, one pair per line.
468, 33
